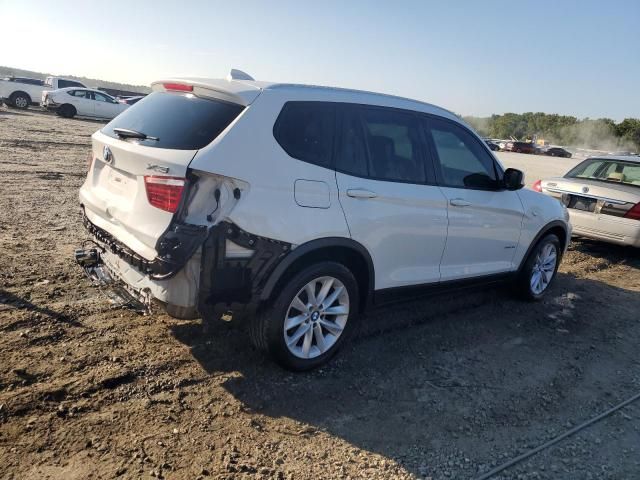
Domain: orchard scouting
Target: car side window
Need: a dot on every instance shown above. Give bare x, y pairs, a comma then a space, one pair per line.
463, 162
100, 98
393, 143
80, 93
305, 130
351, 152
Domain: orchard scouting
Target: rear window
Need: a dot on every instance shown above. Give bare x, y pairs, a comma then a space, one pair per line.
69, 83
178, 121
612, 171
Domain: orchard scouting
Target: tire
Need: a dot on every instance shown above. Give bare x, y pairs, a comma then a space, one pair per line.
299, 347
553, 154
20, 100
526, 287
66, 111
518, 150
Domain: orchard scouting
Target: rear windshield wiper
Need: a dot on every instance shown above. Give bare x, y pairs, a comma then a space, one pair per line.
126, 133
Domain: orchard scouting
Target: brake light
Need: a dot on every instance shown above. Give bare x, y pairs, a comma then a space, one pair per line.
180, 87
537, 186
164, 192
633, 212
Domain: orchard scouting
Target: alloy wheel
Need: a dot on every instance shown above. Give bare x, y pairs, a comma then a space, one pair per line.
543, 268
316, 317
21, 102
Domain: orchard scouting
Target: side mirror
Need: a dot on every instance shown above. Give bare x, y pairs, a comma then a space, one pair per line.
513, 179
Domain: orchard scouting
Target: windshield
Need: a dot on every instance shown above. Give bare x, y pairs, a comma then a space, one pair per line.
613, 171
177, 121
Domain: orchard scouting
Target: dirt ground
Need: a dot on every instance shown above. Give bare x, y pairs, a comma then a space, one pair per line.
446, 387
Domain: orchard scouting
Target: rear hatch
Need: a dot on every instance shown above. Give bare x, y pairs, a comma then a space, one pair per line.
139, 161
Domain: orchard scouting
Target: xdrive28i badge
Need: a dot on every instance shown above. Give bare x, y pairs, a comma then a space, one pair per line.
107, 156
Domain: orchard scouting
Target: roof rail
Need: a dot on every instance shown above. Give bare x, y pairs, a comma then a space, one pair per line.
238, 75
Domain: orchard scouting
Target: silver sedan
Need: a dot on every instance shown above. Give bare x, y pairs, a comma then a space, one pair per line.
602, 196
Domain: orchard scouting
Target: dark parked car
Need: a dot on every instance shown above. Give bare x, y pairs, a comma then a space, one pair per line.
557, 152
521, 147
493, 146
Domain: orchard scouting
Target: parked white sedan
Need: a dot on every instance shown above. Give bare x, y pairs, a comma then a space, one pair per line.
85, 102
602, 195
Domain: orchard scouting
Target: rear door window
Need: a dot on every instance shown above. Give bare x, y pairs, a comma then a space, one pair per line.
178, 121
351, 152
382, 144
394, 145
305, 131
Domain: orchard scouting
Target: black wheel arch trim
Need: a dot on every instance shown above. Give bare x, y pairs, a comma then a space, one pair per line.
543, 231
312, 246
16, 93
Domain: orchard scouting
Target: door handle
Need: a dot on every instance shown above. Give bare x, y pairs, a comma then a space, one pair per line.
459, 202
361, 193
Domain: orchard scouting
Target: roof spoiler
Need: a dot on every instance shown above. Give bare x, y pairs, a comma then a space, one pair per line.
235, 74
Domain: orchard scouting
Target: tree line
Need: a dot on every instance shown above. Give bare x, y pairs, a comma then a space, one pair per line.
598, 134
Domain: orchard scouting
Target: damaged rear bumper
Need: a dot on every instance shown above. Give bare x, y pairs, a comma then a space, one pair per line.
176, 246
195, 269
96, 270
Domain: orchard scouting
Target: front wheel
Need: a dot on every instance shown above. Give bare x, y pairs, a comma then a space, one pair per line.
310, 318
539, 269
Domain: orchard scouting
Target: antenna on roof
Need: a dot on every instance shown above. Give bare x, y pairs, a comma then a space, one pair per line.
238, 75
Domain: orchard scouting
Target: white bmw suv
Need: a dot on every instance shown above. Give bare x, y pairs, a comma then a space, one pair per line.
304, 206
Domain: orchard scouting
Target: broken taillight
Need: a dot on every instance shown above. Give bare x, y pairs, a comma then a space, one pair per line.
633, 212
164, 192
537, 186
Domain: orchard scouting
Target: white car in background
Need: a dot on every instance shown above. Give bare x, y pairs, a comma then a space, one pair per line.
602, 195
20, 92
84, 102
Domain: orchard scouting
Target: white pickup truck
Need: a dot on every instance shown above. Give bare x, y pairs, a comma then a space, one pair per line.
20, 92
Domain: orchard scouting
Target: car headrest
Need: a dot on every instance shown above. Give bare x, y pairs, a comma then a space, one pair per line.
616, 176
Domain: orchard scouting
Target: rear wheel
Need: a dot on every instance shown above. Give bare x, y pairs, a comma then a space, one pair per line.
20, 100
539, 269
311, 317
66, 111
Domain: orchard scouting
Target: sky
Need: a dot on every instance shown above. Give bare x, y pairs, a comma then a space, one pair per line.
570, 57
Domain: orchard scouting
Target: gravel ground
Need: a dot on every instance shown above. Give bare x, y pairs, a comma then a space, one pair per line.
460, 382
